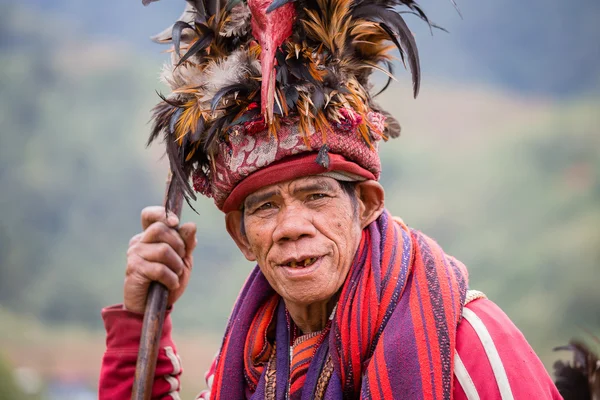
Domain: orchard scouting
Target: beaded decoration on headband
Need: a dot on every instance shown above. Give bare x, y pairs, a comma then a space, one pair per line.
266, 64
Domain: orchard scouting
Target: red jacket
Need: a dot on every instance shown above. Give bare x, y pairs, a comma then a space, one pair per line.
492, 360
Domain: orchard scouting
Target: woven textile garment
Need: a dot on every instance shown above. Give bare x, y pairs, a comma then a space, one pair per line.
400, 306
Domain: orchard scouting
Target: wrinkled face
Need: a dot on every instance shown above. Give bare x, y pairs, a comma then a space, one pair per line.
303, 234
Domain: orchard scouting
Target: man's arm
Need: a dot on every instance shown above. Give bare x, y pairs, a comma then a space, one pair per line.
161, 252
494, 361
123, 330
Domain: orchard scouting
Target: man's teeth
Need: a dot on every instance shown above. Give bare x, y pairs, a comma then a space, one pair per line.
304, 263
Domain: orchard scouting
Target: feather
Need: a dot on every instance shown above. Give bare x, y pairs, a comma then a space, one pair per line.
230, 55
199, 130
392, 126
201, 15
238, 21
201, 44
405, 36
174, 119
188, 16
184, 77
178, 27
389, 80
276, 4
241, 67
581, 378
227, 90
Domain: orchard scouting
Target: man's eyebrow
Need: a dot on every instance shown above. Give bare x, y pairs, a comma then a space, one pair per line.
311, 187
254, 199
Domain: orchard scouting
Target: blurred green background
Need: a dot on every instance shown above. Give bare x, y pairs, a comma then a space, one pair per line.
499, 161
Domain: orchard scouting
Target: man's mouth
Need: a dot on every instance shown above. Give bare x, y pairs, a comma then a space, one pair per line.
307, 262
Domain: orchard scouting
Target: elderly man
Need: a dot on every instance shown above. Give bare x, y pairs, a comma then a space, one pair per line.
272, 117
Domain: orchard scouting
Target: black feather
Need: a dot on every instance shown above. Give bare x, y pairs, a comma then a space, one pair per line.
232, 3
393, 20
199, 129
178, 167
160, 116
146, 2
236, 87
201, 44
213, 7
390, 67
214, 130
298, 68
247, 116
201, 16
178, 27
318, 98
168, 101
581, 378
291, 96
173, 121
276, 4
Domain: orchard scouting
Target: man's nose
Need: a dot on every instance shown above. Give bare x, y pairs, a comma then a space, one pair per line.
293, 224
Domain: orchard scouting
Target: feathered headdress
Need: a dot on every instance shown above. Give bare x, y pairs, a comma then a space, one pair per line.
273, 71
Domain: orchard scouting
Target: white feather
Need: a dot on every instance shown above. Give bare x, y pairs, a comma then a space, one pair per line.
239, 21
236, 68
187, 75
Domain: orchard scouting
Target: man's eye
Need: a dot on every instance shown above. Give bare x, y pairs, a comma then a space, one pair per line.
266, 206
317, 196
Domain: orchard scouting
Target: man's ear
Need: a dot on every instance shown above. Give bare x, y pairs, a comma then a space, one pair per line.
233, 222
371, 199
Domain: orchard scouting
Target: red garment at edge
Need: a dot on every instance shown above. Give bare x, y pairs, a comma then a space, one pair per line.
509, 364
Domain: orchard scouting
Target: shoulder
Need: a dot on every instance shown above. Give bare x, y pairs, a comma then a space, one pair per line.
493, 359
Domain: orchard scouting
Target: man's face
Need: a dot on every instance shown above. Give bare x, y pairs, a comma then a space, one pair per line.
303, 234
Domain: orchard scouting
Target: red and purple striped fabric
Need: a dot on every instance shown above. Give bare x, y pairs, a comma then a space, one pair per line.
393, 335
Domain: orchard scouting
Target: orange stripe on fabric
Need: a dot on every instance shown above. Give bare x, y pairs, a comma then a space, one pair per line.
419, 332
382, 374
430, 326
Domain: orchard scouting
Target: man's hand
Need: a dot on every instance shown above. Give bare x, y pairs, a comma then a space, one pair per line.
163, 253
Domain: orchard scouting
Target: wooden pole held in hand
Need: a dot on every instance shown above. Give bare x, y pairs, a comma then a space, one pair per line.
154, 317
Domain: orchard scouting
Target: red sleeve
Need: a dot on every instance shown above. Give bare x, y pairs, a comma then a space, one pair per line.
526, 376
123, 331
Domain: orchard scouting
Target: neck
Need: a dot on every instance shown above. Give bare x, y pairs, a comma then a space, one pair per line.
312, 317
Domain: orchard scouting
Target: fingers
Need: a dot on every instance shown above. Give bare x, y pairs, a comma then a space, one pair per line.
154, 214
144, 271
135, 239
159, 232
161, 253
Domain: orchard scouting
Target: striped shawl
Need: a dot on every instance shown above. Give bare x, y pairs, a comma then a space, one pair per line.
393, 334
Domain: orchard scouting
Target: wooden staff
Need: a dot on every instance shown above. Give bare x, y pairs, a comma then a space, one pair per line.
154, 316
